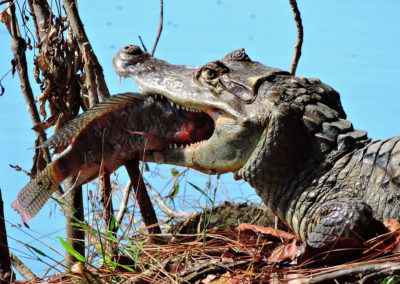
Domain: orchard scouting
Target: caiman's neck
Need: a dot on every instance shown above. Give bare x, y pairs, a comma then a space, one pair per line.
278, 171
304, 137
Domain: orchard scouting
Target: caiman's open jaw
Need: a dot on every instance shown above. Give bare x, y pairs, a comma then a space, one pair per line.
220, 133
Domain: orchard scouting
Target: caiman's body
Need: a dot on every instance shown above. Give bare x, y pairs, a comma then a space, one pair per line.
287, 136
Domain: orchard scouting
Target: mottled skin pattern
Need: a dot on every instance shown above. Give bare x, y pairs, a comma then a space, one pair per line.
287, 136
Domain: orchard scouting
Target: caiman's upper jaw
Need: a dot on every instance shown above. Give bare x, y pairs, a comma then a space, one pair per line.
177, 83
218, 136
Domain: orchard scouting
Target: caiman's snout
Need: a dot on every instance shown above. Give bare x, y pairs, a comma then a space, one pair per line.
127, 58
132, 50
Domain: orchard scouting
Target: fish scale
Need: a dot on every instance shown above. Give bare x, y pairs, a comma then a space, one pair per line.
108, 135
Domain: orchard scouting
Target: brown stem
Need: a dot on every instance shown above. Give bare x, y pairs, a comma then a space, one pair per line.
73, 214
146, 207
41, 16
107, 199
300, 33
160, 26
5, 263
18, 47
22, 268
90, 79
85, 46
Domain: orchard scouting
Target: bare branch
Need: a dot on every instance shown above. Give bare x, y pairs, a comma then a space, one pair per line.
18, 46
146, 207
99, 83
160, 26
124, 202
90, 78
107, 199
299, 42
22, 268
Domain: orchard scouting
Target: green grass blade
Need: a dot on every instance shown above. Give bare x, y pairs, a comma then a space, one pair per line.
72, 251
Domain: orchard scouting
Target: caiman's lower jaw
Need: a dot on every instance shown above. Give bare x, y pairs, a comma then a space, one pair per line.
202, 142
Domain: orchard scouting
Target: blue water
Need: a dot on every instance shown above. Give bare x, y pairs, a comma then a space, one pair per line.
348, 45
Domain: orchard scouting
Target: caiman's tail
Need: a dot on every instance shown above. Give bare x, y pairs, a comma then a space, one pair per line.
36, 193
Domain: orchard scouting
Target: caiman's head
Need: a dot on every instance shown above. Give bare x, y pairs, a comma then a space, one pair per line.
220, 100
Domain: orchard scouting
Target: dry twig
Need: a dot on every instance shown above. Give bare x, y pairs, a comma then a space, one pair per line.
160, 26
146, 207
22, 268
299, 42
124, 202
354, 272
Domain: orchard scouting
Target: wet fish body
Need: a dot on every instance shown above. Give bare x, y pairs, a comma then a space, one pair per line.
104, 137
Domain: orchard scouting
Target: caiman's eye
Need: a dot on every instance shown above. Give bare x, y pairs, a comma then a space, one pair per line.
209, 73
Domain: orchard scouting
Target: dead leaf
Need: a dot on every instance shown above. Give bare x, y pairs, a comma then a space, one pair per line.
44, 125
42, 62
284, 252
285, 236
5, 17
392, 225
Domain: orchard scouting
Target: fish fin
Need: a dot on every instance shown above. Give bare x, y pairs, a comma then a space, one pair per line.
86, 176
35, 194
65, 135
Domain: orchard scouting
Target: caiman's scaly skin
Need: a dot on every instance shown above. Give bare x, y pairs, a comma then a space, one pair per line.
287, 136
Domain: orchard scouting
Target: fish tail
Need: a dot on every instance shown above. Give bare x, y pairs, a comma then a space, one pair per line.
34, 195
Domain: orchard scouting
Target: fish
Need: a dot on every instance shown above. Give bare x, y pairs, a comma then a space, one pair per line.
123, 127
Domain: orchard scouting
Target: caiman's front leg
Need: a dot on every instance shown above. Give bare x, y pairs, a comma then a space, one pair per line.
340, 218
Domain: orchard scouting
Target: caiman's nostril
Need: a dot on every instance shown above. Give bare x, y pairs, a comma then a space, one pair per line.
133, 50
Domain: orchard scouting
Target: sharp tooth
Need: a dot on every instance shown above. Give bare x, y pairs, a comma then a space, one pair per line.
175, 146
172, 104
170, 146
119, 79
178, 106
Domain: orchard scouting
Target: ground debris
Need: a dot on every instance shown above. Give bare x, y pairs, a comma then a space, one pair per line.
243, 254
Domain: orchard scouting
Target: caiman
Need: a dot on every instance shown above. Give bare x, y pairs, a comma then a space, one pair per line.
287, 136
105, 137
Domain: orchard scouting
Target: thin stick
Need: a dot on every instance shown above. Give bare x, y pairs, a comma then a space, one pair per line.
160, 26
146, 207
353, 272
107, 200
299, 42
142, 43
124, 202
